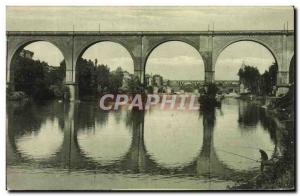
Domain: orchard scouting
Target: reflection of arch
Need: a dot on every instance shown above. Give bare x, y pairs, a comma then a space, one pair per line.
292, 70
162, 42
35, 156
105, 144
255, 40
168, 148
137, 158
43, 144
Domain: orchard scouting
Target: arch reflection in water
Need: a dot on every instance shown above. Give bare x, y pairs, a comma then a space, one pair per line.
237, 146
173, 138
42, 144
106, 144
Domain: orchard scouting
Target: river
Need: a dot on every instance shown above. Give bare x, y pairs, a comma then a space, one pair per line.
78, 146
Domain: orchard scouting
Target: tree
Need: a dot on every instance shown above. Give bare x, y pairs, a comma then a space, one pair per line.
150, 89
188, 88
30, 77
250, 77
56, 75
37, 78
102, 75
269, 79
134, 84
86, 77
115, 80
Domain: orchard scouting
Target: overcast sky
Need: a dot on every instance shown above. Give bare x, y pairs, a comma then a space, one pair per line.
173, 60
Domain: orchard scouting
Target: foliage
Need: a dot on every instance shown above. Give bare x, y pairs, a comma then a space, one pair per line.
102, 78
60, 91
98, 79
86, 77
250, 77
134, 85
208, 96
115, 80
256, 83
188, 88
35, 77
17, 96
150, 89
269, 79
56, 75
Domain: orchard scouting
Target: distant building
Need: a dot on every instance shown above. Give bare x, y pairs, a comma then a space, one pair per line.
52, 68
126, 78
178, 85
157, 80
148, 79
155, 89
228, 86
169, 90
26, 54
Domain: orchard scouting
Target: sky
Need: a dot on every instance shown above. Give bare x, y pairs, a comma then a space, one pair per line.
45, 51
112, 54
176, 60
172, 60
247, 52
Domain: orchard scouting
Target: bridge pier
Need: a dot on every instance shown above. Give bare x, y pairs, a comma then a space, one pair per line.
70, 155
10, 78
70, 82
209, 76
140, 74
282, 82
73, 90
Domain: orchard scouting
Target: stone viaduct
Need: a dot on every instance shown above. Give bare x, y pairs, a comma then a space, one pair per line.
209, 44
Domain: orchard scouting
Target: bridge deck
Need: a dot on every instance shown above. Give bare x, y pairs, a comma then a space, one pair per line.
132, 33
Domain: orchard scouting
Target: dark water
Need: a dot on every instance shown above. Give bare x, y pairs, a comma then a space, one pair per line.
78, 146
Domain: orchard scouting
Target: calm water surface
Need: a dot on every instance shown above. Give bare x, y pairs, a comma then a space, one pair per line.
78, 146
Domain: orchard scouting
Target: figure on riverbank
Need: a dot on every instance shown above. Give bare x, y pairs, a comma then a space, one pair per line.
264, 159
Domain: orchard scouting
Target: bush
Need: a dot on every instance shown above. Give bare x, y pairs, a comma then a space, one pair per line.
60, 92
17, 96
208, 96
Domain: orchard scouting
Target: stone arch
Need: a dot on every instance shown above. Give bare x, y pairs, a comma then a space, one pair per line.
15, 49
163, 41
17, 44
80, 51
251, 39
153, 45
83, 47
